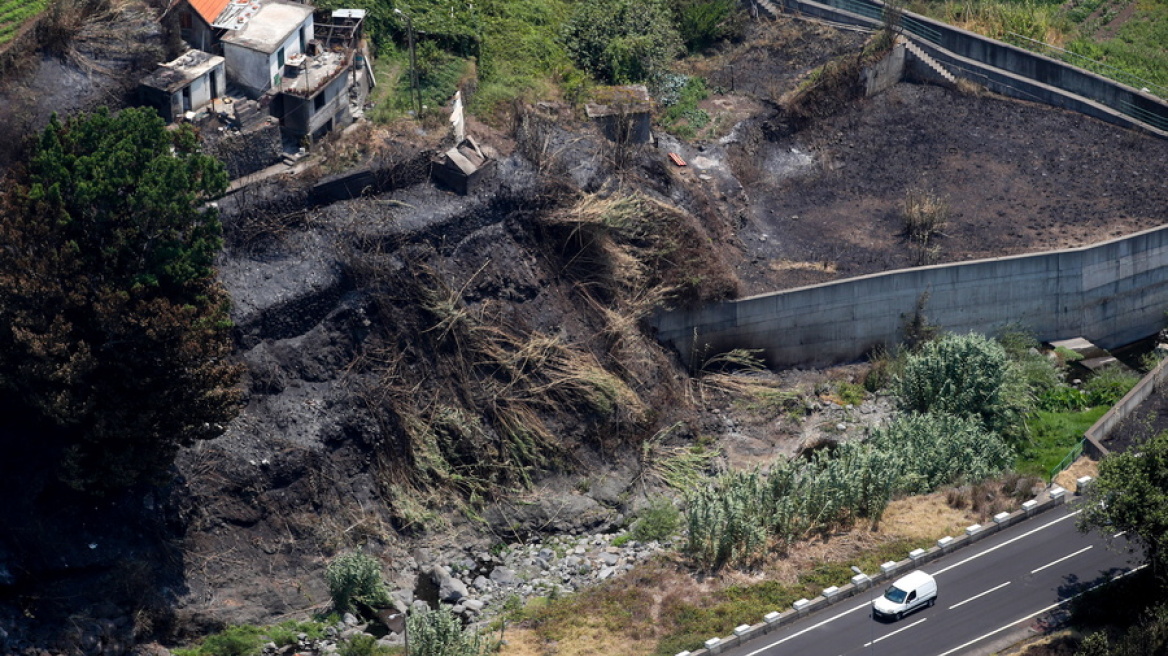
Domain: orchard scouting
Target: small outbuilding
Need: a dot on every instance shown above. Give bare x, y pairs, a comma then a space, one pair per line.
186, 84
623, 113
460, 168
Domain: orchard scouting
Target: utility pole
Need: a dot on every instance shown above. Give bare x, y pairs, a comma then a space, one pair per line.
413, 62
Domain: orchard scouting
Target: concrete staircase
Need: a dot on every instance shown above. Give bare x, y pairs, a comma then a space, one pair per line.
765, 7
248, 113
928, 61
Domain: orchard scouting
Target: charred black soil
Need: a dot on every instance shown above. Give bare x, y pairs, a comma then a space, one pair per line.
366, 323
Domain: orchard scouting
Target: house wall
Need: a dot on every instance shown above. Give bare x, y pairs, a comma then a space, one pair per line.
199, 34
256, 71
159, 100
301, 116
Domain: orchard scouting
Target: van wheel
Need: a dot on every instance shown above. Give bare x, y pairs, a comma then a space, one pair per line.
898, 616
932, 601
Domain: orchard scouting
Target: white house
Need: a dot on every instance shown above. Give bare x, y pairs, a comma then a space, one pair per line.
186, 84
256, 52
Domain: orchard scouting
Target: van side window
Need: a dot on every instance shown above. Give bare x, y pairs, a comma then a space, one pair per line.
912, 596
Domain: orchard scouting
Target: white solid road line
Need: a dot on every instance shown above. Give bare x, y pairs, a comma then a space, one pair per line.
833, 618
1036, 613
1010, 541
1119, 535
889, 635
1066, 557
979, 595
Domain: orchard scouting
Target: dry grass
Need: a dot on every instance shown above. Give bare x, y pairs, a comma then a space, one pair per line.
1084, 466
925, 517
630, 615
792, 265
925, 214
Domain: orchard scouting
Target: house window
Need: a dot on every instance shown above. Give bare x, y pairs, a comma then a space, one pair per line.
280, 58
184, 20
318, 102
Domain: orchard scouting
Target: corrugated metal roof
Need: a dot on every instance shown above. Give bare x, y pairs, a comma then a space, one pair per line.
209, 9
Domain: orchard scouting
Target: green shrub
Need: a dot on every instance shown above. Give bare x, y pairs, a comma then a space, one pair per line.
440, 633
850, 393
285, 633
701, 23
657, 522
966, 375
1108, 385
355, 578
242, 640
622, 41
1063, 397
939, 449
733, 521
362, 644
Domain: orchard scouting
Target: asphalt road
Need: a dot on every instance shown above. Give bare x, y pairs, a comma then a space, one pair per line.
989, 593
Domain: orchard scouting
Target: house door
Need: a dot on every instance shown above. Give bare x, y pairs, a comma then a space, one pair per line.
186, 99
214, 84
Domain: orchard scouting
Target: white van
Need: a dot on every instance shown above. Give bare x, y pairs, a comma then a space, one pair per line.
909, 593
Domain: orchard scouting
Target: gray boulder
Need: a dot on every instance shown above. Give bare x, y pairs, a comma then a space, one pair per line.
551, 512
504, 576
450, 589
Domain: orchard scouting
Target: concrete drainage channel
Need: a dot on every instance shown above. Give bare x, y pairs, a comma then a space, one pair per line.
1054, 496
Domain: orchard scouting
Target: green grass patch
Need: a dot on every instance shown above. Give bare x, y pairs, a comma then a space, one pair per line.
1135, 55
680, 95
15, 13
248, 640
1052, 435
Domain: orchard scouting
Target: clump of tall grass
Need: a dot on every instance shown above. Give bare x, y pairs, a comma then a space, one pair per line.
744, 513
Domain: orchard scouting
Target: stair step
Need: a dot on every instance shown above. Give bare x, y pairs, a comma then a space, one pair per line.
768, 7
927, 59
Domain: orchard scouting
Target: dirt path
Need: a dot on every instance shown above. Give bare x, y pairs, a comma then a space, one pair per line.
1109, 30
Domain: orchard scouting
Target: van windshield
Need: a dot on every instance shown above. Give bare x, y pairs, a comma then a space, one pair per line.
895, 594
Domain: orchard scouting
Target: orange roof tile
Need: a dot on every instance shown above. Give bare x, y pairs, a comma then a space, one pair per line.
209, 9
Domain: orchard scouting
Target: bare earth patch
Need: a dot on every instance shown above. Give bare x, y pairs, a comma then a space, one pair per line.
1084, 466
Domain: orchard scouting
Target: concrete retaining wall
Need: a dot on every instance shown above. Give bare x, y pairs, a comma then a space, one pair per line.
1055, 496
1101, 429
1112, 293
1007, 69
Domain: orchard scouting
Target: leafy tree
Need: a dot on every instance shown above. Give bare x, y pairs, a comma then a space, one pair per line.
622, 41
966, 376
440, 633
701, 23
112, 327
1131, 494
355, 578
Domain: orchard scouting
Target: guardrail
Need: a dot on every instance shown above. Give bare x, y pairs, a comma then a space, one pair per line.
1055, 496
1071, 456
